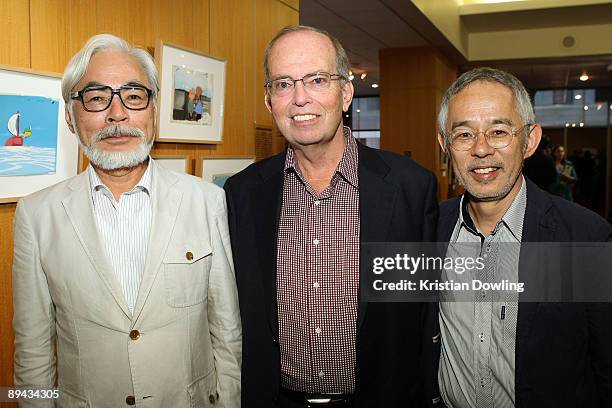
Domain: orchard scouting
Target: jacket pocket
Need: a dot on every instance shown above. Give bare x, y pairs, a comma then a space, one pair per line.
67, 399
186, 270
203, 391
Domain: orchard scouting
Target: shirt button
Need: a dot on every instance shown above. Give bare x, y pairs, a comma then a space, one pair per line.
317, 202
189, 256
134, 335
318, 330
316, 241
316, 285
130, 400
321, 374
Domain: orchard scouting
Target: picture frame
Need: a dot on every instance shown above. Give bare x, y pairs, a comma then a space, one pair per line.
191, 96
217, 169
178, 163
37, 150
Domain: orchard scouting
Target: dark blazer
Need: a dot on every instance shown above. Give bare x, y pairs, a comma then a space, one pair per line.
397, 202
563, 350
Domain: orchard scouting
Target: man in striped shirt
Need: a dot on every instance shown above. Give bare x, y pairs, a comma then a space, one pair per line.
123, 279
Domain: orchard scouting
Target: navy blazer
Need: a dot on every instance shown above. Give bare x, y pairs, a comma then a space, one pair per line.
397, 202
563, 350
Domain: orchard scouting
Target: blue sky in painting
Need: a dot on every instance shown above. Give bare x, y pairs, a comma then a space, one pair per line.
38, 113
186, 79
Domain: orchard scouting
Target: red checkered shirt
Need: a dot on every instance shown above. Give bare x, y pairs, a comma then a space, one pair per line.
318, 278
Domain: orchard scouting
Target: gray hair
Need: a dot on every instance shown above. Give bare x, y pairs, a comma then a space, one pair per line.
521, 96
76, 68
342, 61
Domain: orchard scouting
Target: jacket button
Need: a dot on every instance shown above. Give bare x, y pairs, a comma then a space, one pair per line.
211, 399
130, 400
134, 335
189, 256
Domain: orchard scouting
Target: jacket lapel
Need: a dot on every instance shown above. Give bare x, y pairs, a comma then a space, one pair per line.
376, 203
79, 208
166, 200
266, 200
535, 229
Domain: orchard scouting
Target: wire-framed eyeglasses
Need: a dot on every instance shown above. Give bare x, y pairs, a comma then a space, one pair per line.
315, 82
98, 98
497, 136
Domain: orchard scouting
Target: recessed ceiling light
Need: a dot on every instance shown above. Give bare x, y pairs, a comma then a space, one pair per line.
586, 107
577, 96
376, 86
581, 124
358, 110
567, 124
573, 125
584, 77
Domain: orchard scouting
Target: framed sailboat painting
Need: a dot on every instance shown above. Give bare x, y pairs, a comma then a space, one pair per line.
36, 148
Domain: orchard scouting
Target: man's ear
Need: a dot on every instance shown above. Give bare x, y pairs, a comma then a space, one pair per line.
533, 140
442, 143
268, 102
68, 118
347, 95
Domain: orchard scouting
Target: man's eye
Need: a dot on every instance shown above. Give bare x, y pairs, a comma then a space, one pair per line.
319, 81
282, 84
95, 98
499, 133
463, 135
135, 97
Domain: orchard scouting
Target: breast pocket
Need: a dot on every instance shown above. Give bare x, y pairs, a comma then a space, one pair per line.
186, 269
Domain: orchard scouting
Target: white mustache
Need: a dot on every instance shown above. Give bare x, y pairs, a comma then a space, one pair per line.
116, 131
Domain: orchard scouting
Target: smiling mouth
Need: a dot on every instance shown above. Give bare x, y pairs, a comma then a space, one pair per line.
302, 118
485, 170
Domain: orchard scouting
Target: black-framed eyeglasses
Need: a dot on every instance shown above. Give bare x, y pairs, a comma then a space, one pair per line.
316, 82
497, 136
98, 98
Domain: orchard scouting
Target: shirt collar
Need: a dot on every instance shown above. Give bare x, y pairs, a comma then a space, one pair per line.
512, 219
347, 168
144, 184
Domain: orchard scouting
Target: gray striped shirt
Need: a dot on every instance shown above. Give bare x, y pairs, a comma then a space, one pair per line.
477, 361
124, 227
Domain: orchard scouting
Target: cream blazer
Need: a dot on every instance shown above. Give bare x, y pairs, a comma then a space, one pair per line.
182, 345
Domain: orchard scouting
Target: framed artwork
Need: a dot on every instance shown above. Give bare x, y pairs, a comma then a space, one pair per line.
217, 169
177, 163
191, 97
36, 148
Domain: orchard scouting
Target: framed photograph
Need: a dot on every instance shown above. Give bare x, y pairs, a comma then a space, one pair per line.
217, 169
191, 97
36, 148
179, 163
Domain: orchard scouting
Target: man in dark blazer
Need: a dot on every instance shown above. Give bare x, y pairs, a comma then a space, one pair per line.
296, 223
546, 354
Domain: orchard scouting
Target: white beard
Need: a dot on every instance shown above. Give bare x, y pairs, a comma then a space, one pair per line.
116, 160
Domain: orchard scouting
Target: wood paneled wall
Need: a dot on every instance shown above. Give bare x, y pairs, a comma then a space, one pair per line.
44, 34
412, 82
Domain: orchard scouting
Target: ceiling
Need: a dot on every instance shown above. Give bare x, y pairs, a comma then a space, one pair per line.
366, 26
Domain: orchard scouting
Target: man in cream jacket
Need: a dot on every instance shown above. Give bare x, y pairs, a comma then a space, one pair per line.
123, 282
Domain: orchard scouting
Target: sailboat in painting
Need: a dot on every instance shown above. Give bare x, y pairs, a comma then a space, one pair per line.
16, 139
28, 150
